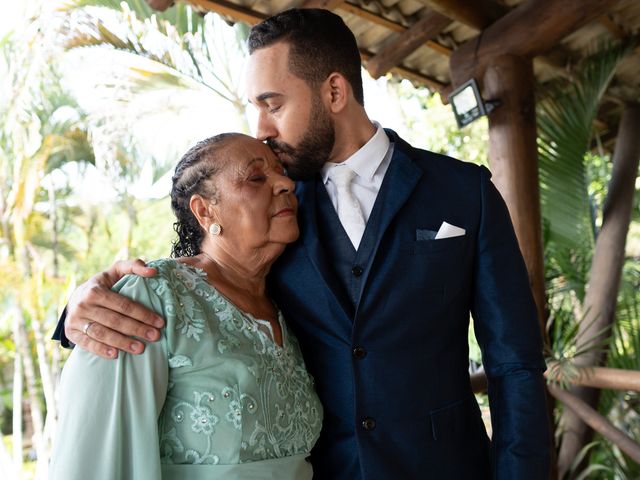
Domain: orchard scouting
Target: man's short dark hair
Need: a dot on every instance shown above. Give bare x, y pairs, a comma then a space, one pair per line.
320, 44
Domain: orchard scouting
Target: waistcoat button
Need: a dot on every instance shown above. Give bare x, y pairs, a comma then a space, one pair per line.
368, 423
359, 353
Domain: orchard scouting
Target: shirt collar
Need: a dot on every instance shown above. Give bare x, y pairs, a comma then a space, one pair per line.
366, 160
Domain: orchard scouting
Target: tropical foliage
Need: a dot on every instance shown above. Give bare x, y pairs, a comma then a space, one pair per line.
574, 184
71, 195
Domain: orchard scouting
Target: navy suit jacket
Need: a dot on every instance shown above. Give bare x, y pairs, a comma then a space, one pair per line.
392, 373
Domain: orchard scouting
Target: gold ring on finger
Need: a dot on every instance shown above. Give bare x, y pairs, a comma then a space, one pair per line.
85, 329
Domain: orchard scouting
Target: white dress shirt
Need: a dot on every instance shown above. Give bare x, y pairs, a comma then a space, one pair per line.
370, 164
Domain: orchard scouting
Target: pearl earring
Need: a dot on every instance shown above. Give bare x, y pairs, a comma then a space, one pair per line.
215, 229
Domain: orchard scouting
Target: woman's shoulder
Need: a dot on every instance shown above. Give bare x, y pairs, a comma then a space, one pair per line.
167, 270
163, 285
163, 267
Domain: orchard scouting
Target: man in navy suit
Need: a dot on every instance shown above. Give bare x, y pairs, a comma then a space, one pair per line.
397, 246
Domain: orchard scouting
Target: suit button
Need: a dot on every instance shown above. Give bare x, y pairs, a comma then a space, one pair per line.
368, 424
357, 270
359, 353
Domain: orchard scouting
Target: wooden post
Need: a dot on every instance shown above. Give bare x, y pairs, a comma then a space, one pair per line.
513, 156
604, 278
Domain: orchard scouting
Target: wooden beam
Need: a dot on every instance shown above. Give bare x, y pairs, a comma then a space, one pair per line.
413, 75
438, 47
482, 13
596, 421
424, 29
477, 14
389, 25
252, 17
598, 377
595, 377
531, 29
614, 29
236, 12
513, 156
247, 15
372, 17
326, 4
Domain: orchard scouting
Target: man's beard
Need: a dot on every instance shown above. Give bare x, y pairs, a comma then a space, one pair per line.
305, 160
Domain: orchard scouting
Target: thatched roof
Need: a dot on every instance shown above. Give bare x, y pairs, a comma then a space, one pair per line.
416, 39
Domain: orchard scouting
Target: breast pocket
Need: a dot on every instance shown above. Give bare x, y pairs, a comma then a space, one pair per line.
444, 245
443, 262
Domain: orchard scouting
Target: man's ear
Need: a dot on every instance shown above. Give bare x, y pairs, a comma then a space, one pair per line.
202, 210
338, 91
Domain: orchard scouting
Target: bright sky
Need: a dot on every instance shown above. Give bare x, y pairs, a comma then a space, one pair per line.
11, 12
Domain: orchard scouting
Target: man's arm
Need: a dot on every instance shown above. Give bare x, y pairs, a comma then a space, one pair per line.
506, 324
113, 318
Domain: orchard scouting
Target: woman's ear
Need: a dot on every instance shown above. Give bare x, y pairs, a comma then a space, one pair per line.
338, 90
203, 210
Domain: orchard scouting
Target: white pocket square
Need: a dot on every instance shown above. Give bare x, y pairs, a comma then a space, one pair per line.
447, 231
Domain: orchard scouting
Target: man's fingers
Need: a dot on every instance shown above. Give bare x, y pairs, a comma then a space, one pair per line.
104, 340
105, 335
99, 301
137, 267
93, 346
113, 318
110, 320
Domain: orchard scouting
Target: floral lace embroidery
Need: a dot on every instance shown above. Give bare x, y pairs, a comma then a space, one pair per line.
203, 421
264, 393
203, 418
238, 402
176, 361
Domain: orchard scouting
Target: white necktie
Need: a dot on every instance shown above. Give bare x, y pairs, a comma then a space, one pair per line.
349, 211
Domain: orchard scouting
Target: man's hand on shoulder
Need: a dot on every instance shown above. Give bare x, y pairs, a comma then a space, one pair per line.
103, 322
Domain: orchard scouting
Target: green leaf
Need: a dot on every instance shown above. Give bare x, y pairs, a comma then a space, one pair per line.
566, 114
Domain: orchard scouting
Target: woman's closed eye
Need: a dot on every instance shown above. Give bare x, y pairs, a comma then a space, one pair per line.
257, 177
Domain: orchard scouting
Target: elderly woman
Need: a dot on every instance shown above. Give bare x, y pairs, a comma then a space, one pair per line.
225, 393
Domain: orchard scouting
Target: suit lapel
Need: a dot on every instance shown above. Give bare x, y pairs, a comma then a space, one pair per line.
398, 184
310, 237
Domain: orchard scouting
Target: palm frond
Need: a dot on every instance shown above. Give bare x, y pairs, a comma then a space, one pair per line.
177, 58
181, 16
72, 146
565, 124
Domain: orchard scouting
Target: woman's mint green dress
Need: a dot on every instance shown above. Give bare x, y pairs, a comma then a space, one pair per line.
215, 398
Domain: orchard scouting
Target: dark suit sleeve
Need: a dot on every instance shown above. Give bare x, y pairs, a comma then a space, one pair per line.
58, 334
507, 328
